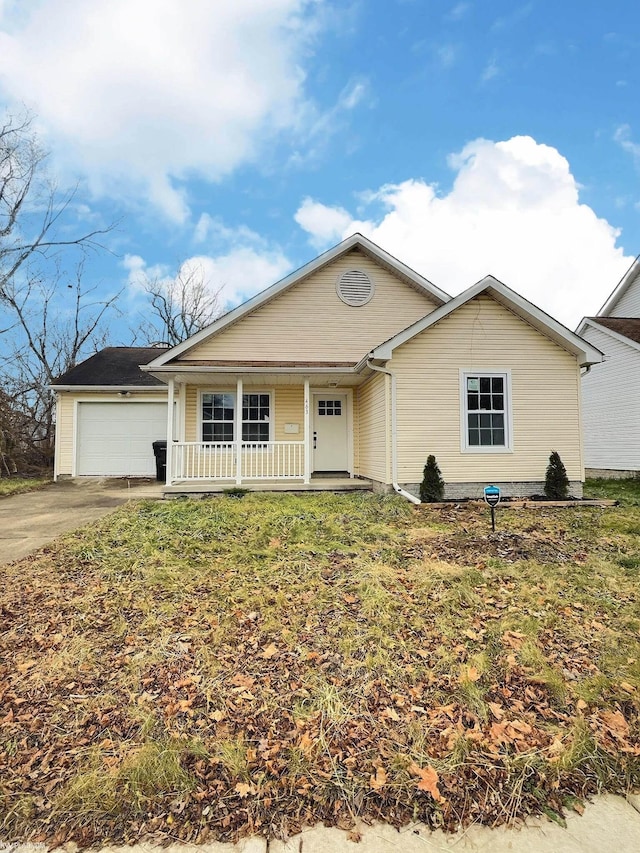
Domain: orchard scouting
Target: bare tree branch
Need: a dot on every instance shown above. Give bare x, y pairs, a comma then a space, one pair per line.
180, 306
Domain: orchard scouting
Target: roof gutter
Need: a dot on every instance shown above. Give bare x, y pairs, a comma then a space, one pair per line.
152, 389
394, 434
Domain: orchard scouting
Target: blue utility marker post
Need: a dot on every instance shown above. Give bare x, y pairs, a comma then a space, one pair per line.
492, 497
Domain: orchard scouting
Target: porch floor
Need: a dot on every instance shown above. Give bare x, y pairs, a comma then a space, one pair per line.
319, 484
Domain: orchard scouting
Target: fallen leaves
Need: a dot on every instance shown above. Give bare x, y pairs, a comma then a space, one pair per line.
427, 780
313, 680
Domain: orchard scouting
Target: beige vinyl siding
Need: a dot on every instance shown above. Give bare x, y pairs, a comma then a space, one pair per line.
288, 409
287, 401
309, 322
611, 405
191, 414
64, 434
629, 303
374, 433
484, 335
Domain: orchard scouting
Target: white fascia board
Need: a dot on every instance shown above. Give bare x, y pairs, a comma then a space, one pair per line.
615, 335
115, 389
354, 241
529, 312
163, 373
621, 288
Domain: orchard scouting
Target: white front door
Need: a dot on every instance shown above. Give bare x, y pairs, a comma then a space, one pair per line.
330, 436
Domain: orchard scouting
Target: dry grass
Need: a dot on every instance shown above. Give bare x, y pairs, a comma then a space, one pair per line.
17, 485
228, 666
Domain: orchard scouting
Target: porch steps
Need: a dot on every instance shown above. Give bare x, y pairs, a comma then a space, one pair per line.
322, 484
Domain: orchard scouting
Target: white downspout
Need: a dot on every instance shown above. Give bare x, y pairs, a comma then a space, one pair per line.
394, 436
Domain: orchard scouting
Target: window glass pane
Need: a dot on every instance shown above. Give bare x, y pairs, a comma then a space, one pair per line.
207, 432
255, 432
264, 400
485, 411
207, 413
222, 432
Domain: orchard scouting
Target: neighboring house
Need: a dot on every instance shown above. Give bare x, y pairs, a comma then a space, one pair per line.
353, 368
610, 396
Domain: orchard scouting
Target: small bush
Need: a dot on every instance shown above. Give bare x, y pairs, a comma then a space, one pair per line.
556, 482
432, 485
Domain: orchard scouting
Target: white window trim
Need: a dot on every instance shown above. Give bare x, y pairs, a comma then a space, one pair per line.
232, 392
465, 447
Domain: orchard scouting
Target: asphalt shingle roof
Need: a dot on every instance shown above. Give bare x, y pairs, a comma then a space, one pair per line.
114, 366
627, 326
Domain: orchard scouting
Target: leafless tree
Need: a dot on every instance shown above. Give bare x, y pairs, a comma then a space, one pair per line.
181, 306
47, 322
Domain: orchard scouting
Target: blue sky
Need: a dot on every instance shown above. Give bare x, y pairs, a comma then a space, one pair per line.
245, 137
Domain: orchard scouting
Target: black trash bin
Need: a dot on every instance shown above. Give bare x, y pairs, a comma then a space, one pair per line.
160, 452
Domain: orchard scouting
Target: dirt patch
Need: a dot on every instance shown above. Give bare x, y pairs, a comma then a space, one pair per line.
503, 545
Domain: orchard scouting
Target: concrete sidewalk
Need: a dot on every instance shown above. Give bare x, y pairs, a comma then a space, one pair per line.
33, 519
609, 824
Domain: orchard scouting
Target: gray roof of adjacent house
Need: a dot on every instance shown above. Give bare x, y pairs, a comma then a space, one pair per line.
113, 366
628, 327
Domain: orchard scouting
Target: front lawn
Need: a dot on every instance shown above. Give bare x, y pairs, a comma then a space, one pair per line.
17, 485
231, 666
627, 491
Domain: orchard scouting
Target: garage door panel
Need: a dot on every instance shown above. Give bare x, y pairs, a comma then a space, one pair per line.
115, 438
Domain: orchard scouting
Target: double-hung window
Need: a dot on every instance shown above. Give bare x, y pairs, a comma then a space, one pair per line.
218, 412
485, 411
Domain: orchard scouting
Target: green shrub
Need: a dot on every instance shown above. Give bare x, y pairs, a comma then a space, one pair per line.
432, 485
556, 482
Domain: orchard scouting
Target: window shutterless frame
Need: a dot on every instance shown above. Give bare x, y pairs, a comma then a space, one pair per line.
216, 416
486, 420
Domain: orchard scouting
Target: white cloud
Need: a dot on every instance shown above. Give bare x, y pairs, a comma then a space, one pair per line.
623, 137
491, 70
458, 12
513, 211
325, 224
140, 94
235, 275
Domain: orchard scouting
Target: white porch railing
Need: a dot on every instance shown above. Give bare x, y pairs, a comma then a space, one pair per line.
264, 460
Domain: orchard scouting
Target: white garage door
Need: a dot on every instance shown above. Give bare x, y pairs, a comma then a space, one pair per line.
115, 439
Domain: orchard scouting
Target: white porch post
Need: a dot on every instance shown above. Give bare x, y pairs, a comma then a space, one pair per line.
238, 431
170, 404
307, 432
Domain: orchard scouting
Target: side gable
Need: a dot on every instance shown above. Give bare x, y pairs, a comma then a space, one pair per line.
512, 301
625, 330
625, 299
303, 319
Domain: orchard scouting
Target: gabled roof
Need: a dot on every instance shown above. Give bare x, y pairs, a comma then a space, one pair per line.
529, 312
624, 329
116, 367
621, 288
356, 241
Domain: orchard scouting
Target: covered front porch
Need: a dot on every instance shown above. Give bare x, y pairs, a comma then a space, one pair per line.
263, 430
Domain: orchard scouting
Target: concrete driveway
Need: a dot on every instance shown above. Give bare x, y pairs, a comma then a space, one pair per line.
29, 521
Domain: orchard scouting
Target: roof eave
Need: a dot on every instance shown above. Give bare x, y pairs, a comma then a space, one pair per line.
536, 317
621, 288
354, 241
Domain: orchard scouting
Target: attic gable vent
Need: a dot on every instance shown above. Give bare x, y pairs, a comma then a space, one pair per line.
355, 288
